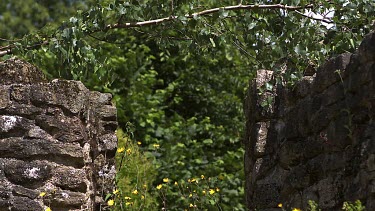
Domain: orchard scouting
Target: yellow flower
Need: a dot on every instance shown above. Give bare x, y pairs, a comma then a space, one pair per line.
202, 176
142, 197
296, 209
159, 186
144, 186
127, 198
129, 151
115, 191
139, 143
204, 192
156, 146
135, 191
190, 195
165, 180
121, 149
175, 183
48, 209
194, 180
128, 203
191, 205
217, 189
280, 205
212, 191
42, 194
111, 202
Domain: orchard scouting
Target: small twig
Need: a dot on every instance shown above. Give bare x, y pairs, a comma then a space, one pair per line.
324, 19
3, 39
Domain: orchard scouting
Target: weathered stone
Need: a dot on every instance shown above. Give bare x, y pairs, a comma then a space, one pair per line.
52, 137
371, 163
330, 72
20, 93
63, 128
66, 199
69, 178
266, 196
58, 152
290, 154
328, 192
27, 174
366, 51
321, 132
304, 87
14, 71
4, 97
26, 192
24, 204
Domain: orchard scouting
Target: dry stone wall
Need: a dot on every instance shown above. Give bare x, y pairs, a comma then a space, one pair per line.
317, 140
55, 137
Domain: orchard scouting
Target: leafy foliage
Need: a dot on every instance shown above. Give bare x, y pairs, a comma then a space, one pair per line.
178, 70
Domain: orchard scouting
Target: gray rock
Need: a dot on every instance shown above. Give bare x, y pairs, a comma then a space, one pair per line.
51, 136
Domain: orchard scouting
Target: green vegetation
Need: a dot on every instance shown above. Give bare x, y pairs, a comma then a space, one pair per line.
180, 82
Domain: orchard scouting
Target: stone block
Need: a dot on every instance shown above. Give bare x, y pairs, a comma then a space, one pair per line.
27, 174
4, 97
327, 73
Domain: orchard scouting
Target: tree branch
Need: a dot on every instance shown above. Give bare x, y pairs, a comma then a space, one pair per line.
8, 49
207, 12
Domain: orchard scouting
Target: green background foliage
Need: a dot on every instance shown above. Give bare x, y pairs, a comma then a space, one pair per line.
180, 83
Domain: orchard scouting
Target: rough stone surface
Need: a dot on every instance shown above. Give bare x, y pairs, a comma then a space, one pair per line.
52, 135
315, 141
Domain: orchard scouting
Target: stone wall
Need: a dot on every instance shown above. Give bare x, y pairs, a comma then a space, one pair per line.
55, 137
317, 140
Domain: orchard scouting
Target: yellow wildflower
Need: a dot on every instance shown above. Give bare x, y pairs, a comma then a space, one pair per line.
296, 209
159, 186
191, 205
202, 176
129, 151
190, 195
204, 192
142, 197
139, 143
212, 191
156, 146
42, 194
217, 189
175, 183
280, 205
194, 180
165, 180
128, 203
111, 202
121, 149
135, 191
144, 186
48, 209
115, 192
127, 198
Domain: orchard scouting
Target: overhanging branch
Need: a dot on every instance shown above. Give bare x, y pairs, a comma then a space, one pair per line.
207, 12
